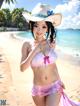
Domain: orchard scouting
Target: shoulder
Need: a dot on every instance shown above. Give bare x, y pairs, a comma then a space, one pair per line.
26, 49
26, 45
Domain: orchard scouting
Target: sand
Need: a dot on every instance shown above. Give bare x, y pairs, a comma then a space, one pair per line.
15, 86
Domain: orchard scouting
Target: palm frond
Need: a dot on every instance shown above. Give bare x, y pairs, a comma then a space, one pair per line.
9, 1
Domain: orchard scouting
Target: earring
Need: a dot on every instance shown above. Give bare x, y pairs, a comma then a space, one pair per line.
34, 37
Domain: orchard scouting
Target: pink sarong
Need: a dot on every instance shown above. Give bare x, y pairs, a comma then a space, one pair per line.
65, 101
53, 88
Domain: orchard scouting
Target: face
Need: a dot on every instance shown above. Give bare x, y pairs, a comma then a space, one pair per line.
40, 28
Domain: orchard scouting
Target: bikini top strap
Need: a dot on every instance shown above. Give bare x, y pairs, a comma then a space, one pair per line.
48, 42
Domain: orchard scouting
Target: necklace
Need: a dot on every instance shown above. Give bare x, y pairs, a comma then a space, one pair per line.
45, 51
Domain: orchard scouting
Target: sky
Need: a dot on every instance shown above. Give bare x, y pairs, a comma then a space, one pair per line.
70, 10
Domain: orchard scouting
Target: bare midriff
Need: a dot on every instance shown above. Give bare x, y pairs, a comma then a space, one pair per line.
45, 75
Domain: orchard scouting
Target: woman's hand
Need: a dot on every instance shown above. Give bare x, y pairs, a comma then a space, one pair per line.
41, 43
62, 84
39, 46
37, 49
52, 45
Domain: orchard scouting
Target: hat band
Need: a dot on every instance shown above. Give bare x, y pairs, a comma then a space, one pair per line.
40, 15
49, 12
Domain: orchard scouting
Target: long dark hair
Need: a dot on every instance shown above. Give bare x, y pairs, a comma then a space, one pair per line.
51, 34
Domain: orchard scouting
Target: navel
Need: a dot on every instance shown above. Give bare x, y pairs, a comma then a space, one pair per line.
45, 77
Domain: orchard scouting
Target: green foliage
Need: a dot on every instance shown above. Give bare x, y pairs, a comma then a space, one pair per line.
20, 26
7, 1
17, 16
8, 17
2, 18
13, 19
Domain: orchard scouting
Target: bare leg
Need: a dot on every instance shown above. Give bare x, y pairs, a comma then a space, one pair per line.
39, 100
53, 99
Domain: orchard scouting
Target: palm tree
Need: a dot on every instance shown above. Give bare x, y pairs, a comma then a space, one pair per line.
7, 1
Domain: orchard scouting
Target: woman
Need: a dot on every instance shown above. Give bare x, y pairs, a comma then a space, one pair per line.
47, 86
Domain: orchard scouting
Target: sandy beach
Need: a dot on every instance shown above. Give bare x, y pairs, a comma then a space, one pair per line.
15, 86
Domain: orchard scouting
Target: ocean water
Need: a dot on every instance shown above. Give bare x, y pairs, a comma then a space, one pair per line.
68, 40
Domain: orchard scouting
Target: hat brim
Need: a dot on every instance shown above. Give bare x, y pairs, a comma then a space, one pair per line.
55, 19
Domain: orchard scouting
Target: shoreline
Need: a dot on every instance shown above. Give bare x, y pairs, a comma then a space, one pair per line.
64, 50
74, 60
21, 83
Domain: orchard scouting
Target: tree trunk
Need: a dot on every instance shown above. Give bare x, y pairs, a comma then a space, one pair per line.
1, 2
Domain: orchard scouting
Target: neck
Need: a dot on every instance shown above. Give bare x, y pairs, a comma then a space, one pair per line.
40, 39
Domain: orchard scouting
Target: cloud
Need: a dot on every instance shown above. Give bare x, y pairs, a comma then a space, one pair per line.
71, 14
11, 6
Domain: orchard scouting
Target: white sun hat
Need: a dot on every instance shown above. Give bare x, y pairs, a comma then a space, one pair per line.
43, 12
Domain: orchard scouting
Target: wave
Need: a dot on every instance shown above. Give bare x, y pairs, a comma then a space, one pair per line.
75, 52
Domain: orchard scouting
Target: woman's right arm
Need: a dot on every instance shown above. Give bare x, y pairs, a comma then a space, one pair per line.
26, 49
26, 63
